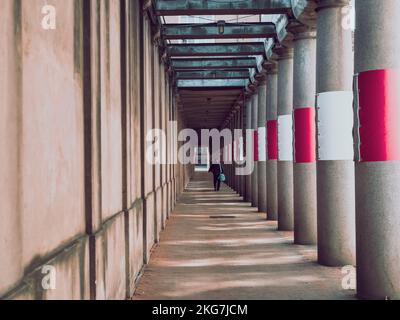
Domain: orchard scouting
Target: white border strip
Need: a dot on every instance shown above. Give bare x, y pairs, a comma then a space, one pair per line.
335, 125
262, 144
285, 138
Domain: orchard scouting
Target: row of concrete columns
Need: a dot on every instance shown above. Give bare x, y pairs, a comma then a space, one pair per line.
308, 129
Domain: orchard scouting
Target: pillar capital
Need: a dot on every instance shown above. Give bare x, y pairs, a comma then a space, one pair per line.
236, 108
325, 4
147, 4
302, 31
251, 89
263, 82
271, 67
239, 103
284, 52
304, 12
249, 92
261, 78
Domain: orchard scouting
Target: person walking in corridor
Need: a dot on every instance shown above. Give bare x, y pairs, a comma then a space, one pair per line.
218, 173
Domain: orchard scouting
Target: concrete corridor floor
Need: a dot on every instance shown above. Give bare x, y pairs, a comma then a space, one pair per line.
216, 246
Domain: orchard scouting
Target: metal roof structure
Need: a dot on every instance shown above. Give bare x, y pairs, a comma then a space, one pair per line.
214, 48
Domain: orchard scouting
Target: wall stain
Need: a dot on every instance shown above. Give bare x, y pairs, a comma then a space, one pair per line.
78, 36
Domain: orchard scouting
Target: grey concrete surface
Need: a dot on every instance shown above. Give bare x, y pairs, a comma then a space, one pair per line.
248, 194
377, 46
285, 168
272, 166
335, 179
262, 163
254, 175
304, 174
218, 247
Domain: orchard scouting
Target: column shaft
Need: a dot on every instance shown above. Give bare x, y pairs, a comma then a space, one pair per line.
237, 126
335, 166
304, 169
249, 149
272, 140
232, 165
285, 140
254, 125
377, 175
262, 145
241, 150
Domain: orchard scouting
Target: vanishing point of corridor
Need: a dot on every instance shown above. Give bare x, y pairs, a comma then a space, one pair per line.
216, 246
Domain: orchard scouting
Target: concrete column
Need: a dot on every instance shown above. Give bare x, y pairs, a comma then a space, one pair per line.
241, 125
237, 126
304, 168
233, 151
272, 141
249, 149
262, 146
335, 166
254, 125
232, 177
377, 174
285, 139
233, 126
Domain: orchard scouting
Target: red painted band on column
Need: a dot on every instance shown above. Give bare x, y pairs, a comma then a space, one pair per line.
272, 139
379, 111
255, 145
304, 135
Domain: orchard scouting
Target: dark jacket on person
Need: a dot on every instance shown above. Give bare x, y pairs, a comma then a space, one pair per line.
215, 168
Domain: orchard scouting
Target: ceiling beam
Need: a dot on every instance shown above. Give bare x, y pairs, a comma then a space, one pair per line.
212, 92
204, 7
219, 30
202, 107
213, 74
201, 98
212, 83
214, 104
197, 114
217, 63
216, 49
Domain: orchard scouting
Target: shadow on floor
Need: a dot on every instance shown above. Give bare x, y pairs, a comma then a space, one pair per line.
216, 247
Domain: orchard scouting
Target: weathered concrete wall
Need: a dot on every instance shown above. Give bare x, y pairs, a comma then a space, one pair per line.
111, 153
110, 260
75, 192
134, 202
47, 210
148, 118
11, 268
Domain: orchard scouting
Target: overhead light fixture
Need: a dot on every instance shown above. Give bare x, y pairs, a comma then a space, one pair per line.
221, 26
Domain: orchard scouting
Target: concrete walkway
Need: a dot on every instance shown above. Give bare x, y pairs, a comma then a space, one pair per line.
216, 246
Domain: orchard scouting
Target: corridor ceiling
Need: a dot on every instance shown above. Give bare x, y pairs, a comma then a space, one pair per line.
207, 107
217, 50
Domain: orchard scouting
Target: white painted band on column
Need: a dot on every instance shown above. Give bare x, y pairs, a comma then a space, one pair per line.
335, 125
241, 149
262, 144
285, 138
235, 150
